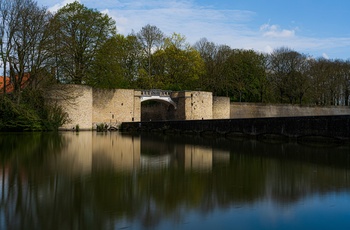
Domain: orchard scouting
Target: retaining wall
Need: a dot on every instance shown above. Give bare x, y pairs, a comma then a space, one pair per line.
255, 110
337, 127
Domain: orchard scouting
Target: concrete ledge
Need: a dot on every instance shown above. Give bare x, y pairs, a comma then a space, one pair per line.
336, 127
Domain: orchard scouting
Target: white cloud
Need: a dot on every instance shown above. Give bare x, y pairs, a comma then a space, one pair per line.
238, 29
182, 17
268, 49
60, 5
325, 56
275, 31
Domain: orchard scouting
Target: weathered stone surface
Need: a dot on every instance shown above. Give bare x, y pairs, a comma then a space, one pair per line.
76, 101
221, 107
113, 106
255, 110
89, 107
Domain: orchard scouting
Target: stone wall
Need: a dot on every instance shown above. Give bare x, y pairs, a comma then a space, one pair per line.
76, 101
137, 105
89, 107
254, 110
113, 106
192, 105
221, 107
183, 101
201, 106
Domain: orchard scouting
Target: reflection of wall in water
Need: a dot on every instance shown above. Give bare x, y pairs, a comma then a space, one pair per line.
76, 154
221, 156
86, 151
116, 151
160, 151
198, 157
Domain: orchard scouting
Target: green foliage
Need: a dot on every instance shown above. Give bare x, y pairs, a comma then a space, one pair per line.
77, 33
239, 74
150, 39
115, 65
246, 75
53, 117
177, 67
288, 72
32, 114
17, 117
80, 45
101, 127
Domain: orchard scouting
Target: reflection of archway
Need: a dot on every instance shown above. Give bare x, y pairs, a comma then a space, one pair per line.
157, 110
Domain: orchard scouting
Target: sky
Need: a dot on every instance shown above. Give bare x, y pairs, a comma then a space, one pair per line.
319, 28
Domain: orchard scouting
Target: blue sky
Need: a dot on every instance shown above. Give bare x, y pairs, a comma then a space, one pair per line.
317, 28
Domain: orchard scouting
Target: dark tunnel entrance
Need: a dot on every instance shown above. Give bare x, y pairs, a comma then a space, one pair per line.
157, 110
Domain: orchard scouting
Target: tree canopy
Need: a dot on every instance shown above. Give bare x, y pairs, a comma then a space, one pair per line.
77, 33
78, 45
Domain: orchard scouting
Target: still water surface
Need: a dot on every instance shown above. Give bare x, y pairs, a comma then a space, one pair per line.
92, 180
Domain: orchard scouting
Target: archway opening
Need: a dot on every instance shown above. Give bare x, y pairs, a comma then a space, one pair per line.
157, 110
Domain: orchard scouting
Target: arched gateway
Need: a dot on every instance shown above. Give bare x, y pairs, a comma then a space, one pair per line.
157, 95
88, 107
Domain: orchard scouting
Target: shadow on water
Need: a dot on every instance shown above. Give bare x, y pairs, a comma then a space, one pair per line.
92, 180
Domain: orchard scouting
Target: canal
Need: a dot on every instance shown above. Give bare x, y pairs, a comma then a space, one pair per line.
114, 180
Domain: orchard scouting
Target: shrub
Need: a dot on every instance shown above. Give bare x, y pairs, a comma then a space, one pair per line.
31, 114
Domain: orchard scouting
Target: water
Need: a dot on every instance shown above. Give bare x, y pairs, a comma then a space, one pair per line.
91, 180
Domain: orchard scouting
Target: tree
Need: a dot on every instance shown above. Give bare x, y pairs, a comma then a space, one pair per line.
6, 16
22, 33
319, 73
77, 33
177, 66
246, 75
207, 51
288, 71
215, 76
151, 39
345, 74
29, 55
116, 63
221, 73
330, 81
240, 74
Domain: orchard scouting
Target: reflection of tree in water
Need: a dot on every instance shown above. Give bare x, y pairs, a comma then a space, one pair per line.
22, 158
34, 196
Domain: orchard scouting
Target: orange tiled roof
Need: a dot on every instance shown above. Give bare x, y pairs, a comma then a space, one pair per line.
9, 86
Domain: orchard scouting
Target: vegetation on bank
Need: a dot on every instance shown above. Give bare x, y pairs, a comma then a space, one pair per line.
78, 45
31, 114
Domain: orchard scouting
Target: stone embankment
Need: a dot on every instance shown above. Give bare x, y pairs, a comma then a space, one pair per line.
317, 127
